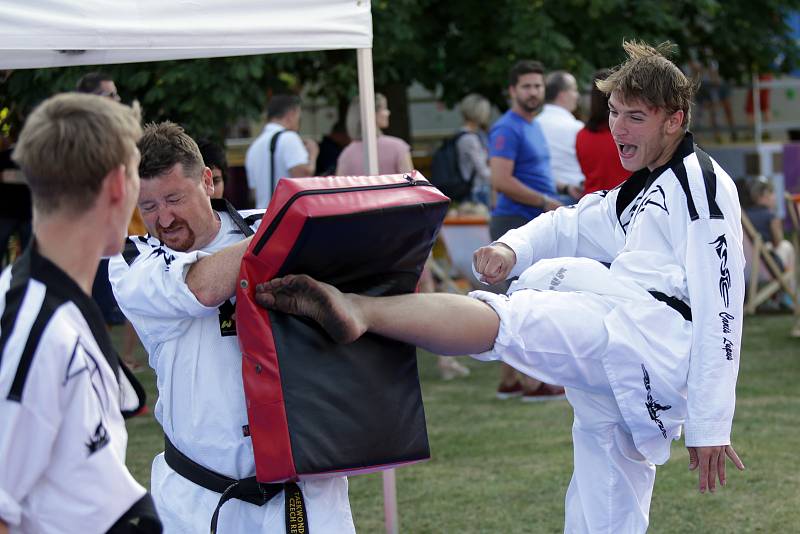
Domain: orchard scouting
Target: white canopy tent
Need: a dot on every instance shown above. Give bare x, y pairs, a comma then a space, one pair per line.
57, 33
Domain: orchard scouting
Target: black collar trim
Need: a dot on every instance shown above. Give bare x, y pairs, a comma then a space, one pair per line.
644, 178
59, 283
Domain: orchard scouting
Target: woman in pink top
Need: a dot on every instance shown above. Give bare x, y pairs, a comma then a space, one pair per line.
394, 157
394, 154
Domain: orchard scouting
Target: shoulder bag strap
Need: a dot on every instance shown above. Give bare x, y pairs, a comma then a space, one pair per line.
220, 204
272, 145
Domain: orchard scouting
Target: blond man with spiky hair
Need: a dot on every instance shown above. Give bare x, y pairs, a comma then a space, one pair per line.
646, 348
63, 389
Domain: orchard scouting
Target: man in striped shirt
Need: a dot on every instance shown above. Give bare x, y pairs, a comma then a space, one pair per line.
63, 391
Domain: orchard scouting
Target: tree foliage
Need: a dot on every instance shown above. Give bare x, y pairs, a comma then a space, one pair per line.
480, 40
451, 47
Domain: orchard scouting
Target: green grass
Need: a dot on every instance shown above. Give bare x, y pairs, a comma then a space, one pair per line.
502, 466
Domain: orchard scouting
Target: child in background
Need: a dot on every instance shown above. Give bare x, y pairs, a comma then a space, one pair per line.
762, 214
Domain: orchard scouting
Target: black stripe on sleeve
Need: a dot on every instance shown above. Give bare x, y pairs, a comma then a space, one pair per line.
14, 296
49, 306
710, 180
680, 172
130, 252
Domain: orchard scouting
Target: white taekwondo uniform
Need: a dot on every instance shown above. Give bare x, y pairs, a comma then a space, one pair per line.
635, 370
201, 402
62, 392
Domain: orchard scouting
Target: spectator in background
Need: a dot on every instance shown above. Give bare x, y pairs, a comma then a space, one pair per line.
279, 151
15, 210
98, 83
215, 159
472, 148
595, 146
102, 84
560, 127
761, 211
520, 173
712, 92
394, 157
330, 147
394, 154
763, 104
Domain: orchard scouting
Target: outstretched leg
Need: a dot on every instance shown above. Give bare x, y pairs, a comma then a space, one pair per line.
438, 322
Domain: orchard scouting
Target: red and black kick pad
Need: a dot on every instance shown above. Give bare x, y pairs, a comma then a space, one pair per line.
317, 408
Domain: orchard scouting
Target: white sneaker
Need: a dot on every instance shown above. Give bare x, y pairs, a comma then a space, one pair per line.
450, 369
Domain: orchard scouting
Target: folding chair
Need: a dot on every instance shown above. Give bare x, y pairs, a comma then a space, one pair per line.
763, 275
793, 209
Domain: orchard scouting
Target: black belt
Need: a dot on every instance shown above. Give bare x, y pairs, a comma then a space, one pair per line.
676, 304
248, 489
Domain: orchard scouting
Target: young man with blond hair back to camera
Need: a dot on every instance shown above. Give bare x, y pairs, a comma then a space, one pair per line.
63, 389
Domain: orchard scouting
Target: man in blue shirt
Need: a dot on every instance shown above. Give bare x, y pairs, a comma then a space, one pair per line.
520, 165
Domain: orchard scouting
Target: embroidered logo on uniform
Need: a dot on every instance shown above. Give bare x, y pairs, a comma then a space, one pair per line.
727, 344
499, 142
726, 322
168, 258
557, 278
98, 440
227, 319
652, 405
721, 247
653, 197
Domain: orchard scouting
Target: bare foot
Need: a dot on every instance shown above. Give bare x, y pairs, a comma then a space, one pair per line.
301, 295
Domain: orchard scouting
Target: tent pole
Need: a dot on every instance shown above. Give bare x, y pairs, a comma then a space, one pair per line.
369, 132
764, 159
366, 91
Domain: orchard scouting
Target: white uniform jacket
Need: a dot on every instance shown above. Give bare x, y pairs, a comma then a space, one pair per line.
62, 434
201, 404
676, 230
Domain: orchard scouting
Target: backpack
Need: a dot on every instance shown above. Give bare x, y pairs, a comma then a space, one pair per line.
445, 172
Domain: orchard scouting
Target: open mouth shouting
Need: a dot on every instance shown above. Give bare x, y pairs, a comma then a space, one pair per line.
628, 155
626, 151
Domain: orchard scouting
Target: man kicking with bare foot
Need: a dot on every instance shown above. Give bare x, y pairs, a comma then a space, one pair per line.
645, 348
347, 316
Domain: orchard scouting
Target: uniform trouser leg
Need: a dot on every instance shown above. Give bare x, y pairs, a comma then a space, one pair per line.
562, 338
612, 483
